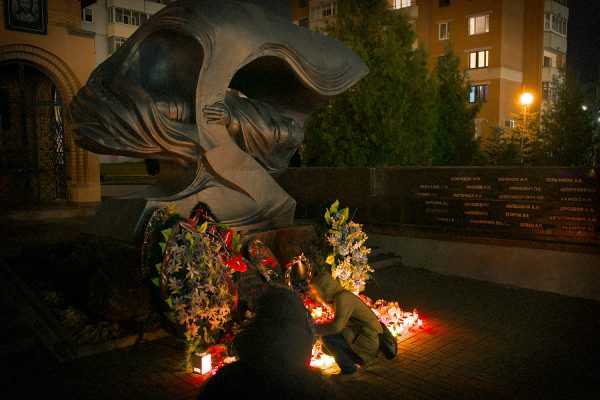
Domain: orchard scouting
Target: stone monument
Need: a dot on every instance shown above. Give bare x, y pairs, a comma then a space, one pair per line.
218, 91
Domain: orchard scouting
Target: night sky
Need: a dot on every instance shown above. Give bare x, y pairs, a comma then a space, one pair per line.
583, 45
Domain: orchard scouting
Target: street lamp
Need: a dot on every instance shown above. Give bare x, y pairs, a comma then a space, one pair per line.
526, 100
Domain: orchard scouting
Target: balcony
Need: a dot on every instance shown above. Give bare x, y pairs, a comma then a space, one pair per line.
548, 73
120, 30
554, 41
411, 12
148, 7
556, 8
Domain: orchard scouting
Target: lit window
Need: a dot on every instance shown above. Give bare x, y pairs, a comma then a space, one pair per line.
555, 24
87, 15
479, 24
478, 94
444, 30
479, 59
398, 4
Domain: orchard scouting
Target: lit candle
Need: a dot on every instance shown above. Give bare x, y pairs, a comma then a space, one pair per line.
202, 363
420, 323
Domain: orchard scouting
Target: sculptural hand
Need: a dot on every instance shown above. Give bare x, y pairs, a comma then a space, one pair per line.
218, 113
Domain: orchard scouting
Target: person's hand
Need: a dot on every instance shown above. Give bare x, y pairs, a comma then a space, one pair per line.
217, 113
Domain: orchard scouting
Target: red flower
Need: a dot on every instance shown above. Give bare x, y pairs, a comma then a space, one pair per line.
237, 263
269, 261
227, 238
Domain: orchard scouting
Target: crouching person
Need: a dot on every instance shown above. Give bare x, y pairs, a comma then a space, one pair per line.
274, 355
353, 336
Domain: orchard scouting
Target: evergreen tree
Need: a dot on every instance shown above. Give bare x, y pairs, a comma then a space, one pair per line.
495, 148
388, 118
518, 145
455, 142
523, 144
567, 129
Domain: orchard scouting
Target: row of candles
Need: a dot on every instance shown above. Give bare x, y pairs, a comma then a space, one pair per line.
398, 321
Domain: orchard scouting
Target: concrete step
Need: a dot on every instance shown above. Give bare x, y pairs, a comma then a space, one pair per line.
384, 263
378, 259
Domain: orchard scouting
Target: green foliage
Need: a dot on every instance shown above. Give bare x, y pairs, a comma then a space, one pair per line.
520, 145
390, 116
568, 129
455, 142
501, 149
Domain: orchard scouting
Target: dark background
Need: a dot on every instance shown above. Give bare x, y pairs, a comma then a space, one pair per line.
583, 45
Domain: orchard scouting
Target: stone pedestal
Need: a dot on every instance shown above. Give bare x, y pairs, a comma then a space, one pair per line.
285, 243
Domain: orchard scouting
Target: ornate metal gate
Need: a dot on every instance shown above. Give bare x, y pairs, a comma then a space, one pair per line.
32, 147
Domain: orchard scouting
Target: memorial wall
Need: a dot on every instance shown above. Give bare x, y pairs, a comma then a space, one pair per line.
558, 204
550, 204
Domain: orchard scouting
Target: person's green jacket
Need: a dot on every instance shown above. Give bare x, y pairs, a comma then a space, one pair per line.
353, 318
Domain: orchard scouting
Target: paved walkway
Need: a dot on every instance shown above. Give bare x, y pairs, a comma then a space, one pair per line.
480, 341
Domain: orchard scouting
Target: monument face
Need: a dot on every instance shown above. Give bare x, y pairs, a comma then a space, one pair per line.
218, 91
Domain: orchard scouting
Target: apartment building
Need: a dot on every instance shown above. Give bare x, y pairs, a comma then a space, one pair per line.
508, 47
113, 21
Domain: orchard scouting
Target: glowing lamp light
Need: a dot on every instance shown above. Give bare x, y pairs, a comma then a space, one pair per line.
526, 99
420, 323
201, 363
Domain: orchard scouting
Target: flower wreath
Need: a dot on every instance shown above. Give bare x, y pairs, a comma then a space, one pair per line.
195, 276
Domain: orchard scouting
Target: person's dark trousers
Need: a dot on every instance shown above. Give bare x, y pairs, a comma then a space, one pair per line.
345, 358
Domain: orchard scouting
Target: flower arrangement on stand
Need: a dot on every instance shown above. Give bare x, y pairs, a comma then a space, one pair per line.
348, 259
195, 278
349, 255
